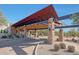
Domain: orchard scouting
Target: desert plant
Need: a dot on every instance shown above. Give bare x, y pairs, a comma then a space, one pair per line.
74, 40
3, 37
67, 40
71, 49
57, 39
56, 47
62, 45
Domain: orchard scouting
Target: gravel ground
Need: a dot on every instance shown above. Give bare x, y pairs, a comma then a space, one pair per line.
26, 47
48, 49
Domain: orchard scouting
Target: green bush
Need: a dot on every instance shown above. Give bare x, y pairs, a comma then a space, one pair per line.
3, 37
57, 39
74, 40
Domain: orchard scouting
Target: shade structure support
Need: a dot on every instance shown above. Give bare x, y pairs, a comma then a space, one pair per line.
61, 35
36, 34
51, 33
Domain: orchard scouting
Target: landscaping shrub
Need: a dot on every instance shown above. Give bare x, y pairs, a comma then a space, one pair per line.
10, 36
3, 37
71, 49
17, 36
57, 39
46, 41
62, 45
67, 40
56, 47
74, 40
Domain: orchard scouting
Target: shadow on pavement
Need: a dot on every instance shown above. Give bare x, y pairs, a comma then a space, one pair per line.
17, 44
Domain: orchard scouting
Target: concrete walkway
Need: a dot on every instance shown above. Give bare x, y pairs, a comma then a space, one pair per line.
17, 46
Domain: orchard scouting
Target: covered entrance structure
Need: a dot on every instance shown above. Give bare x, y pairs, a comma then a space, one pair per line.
43, 19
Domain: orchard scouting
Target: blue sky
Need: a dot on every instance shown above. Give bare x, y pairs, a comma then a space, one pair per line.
15, 12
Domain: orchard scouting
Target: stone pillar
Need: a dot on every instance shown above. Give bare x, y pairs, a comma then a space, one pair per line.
61, 35
13, 30
28, 33
51, 34
24, 33
36, 34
